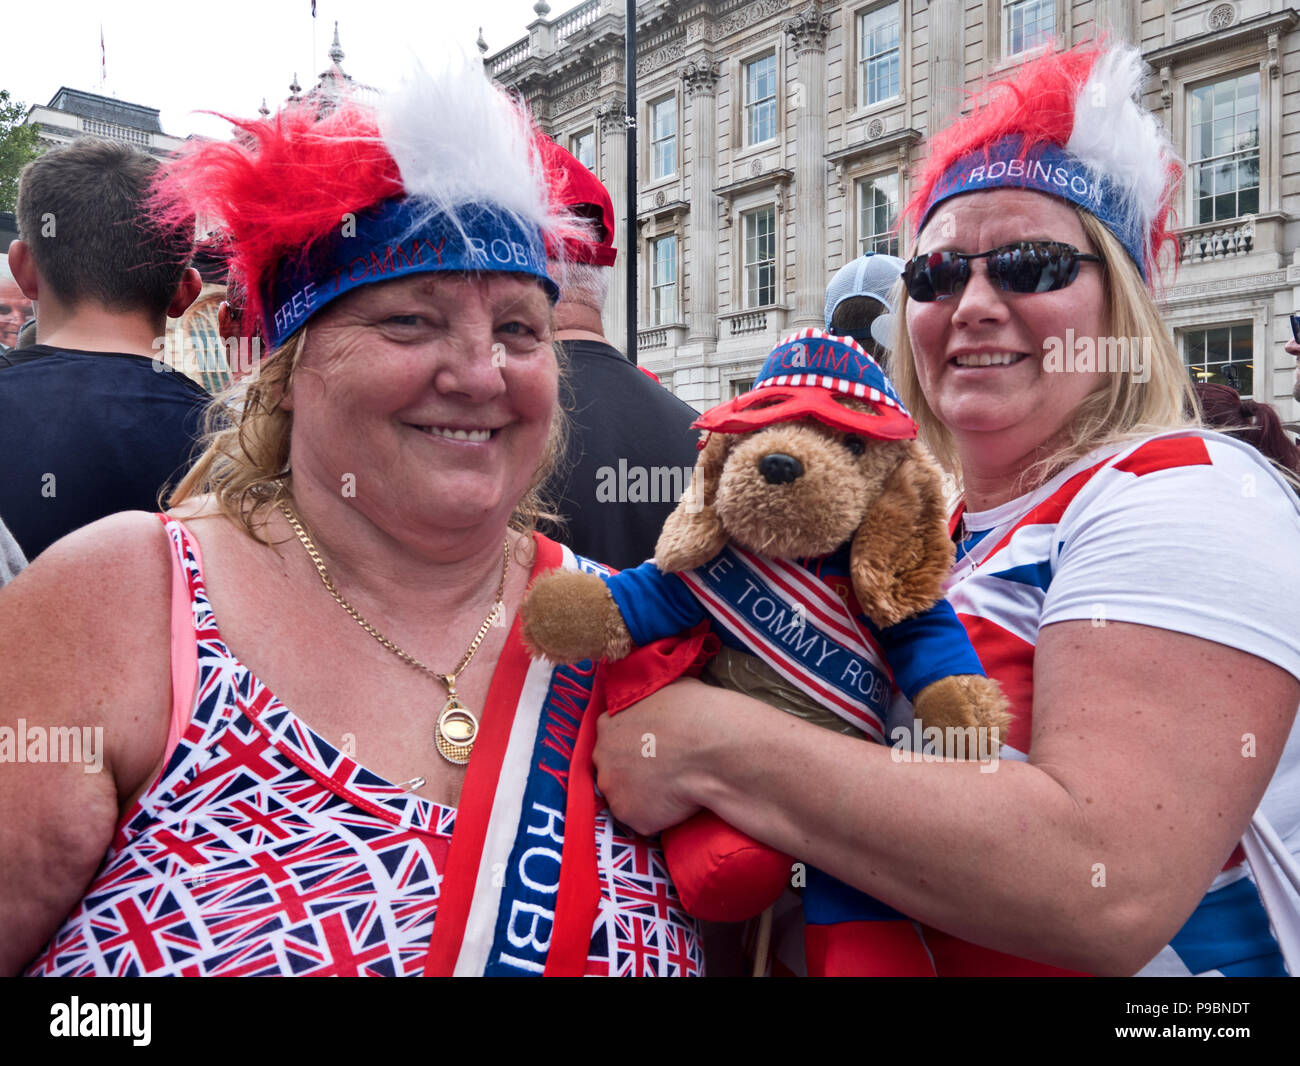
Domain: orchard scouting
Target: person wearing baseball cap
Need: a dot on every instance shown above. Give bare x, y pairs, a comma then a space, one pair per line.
630, 439
859, 301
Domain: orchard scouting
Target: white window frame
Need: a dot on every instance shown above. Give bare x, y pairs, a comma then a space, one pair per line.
747, 302
1194, 165
859, 187
1004, 23
575, 138
663, 292
863, 60
663, 105
1248, 326
747, 104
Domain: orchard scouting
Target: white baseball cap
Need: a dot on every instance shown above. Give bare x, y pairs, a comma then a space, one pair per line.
874, 275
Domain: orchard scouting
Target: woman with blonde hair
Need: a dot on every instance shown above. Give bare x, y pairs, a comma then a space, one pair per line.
1127, 577
325, 748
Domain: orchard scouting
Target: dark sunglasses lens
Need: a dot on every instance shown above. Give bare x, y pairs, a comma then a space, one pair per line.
1027, 268
5, 309
930, 277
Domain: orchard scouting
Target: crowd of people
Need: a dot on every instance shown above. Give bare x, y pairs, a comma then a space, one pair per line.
326, 746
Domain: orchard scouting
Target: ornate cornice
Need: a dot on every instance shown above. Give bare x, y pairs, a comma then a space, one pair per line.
1262, 28
660, 58
706, 29
808, 29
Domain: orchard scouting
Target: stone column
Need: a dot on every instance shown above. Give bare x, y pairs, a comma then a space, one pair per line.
947, 22
1120, 17
700, 77
807, 32
611, 118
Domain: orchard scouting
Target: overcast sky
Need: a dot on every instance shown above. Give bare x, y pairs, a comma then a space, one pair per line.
182, 57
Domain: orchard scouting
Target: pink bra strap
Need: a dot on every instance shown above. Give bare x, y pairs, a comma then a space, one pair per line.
184, 644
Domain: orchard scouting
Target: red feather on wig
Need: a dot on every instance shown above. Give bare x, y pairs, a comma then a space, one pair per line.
1036, 103
1082, 102
279, 187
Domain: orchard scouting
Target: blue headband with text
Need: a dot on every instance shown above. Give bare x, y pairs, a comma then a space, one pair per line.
1047, 169
396, 238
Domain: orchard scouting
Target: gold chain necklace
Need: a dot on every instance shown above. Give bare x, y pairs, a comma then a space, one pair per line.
457, 727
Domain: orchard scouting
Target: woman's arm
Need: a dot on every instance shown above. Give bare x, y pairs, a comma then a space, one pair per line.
1150, 751
84, 646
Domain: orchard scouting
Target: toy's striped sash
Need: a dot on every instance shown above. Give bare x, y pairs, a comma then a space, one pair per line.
802, 628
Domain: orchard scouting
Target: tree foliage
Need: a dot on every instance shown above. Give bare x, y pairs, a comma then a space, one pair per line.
18, 147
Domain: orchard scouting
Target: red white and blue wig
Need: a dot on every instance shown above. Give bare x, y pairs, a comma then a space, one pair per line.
441, 175
1068, 125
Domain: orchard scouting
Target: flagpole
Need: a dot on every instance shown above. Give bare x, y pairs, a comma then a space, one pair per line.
630, 252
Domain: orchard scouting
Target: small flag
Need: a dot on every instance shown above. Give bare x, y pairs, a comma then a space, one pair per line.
313, 8
103, 56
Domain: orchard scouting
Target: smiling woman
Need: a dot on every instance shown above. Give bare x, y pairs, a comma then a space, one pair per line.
1099, 540
314, 694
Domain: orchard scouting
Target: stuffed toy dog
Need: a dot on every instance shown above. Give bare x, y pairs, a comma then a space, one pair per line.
814, 537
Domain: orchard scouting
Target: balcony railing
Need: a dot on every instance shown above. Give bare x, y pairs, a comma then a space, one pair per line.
647, 340
1216, 240
516, 53
114, 132
748, 322
579, 18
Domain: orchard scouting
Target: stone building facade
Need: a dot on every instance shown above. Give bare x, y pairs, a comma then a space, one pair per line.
776, 140
73, 113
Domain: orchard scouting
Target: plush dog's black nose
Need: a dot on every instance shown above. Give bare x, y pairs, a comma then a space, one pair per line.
779, 469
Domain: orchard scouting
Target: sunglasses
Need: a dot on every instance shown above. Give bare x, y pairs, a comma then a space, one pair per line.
1029, 266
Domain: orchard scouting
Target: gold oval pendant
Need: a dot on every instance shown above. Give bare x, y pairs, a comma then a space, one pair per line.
456, 731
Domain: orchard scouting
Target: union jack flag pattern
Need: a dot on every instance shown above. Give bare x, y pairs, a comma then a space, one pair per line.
264, 850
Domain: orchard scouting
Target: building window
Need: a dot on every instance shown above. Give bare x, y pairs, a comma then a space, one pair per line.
878, 55
878, 214
1026, 24
663, 280
740, 386
759, 256
1224, 148
663, 138
760, 100
583, 147
1222, 355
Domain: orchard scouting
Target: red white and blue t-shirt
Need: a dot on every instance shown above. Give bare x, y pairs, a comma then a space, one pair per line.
1192, 532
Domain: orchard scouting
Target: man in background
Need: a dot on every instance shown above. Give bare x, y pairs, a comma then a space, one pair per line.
93, 423
859, 304
630, 438
15, 309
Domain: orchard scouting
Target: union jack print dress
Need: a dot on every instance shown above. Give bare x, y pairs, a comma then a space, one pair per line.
262, 849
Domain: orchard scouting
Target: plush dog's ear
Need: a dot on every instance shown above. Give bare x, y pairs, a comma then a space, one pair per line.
693, 533
901, 553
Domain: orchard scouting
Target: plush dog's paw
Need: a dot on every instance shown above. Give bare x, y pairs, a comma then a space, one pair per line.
963, 701
570, 616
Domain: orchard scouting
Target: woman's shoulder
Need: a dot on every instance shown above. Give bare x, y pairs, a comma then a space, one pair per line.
85, 631
121, 558
1184, 472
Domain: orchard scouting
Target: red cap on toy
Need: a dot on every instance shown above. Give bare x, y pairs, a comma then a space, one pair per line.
810, 375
